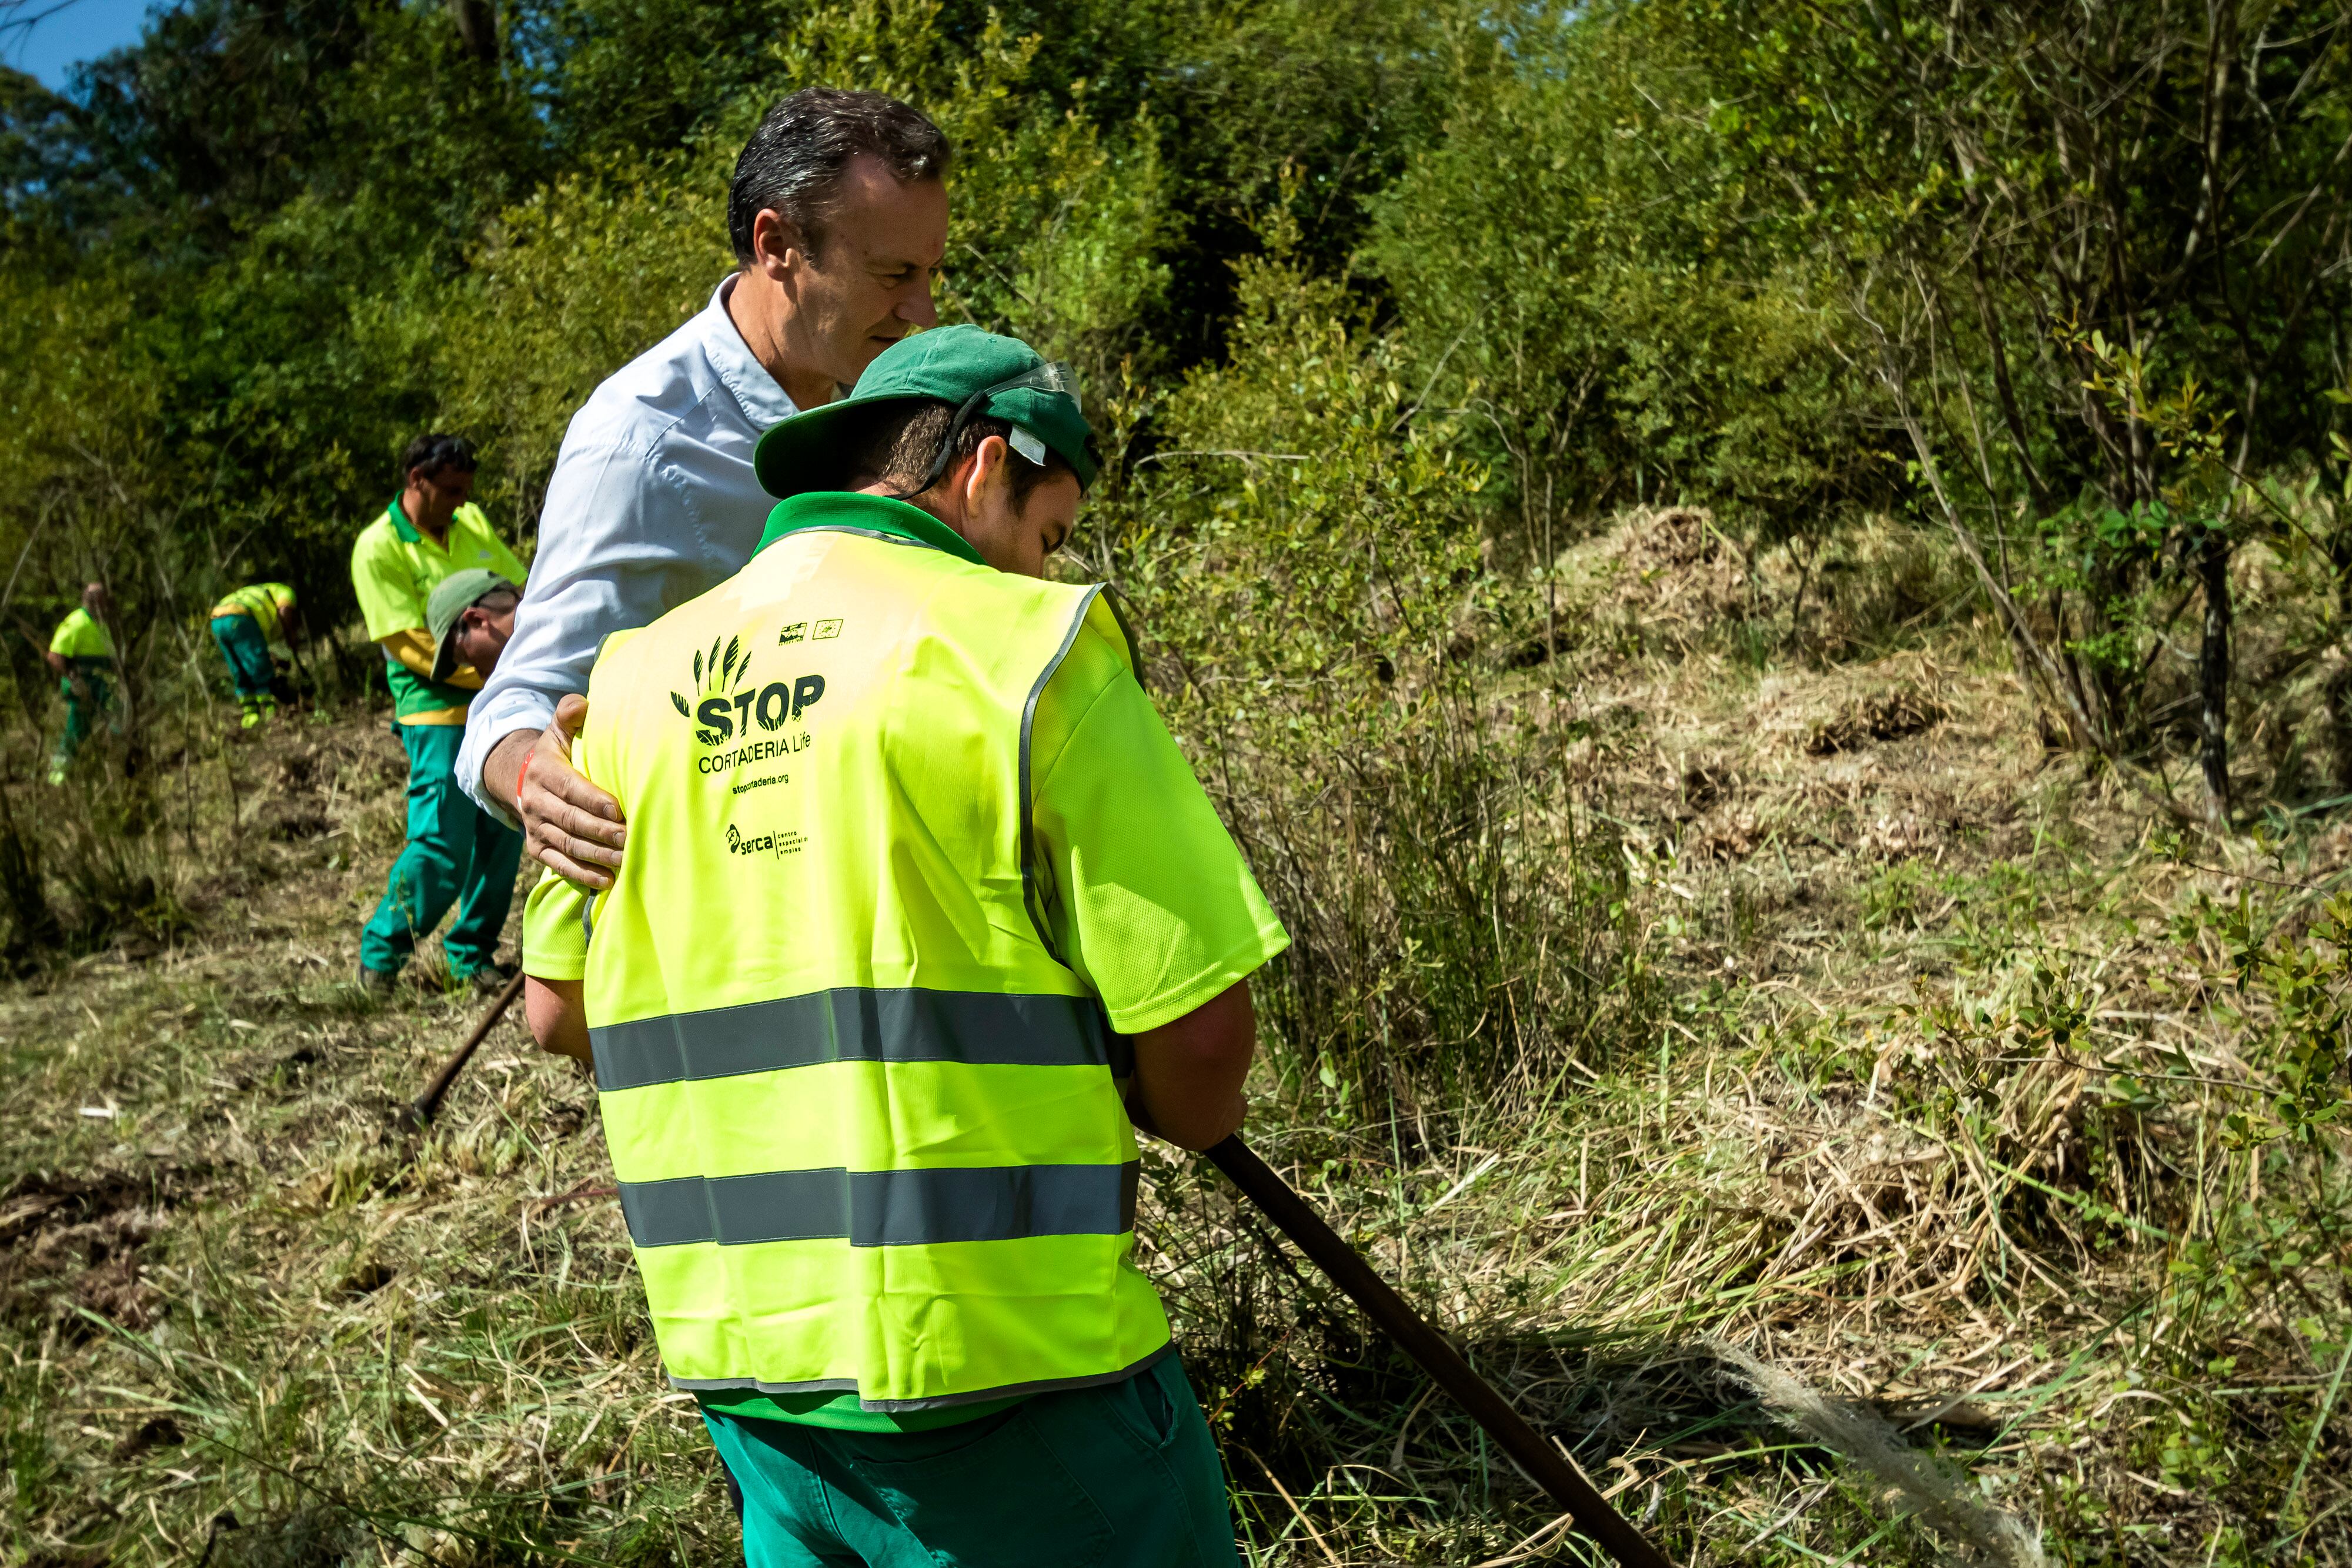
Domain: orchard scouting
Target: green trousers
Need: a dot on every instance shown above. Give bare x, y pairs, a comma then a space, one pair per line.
247, 649
81, 709
456, 853
1124, 1473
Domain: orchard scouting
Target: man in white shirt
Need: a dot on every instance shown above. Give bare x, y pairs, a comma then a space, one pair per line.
838, 214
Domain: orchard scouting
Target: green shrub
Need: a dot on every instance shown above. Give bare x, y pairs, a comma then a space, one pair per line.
1304, 550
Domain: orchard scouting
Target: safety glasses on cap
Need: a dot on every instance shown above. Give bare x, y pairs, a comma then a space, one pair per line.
1046, 376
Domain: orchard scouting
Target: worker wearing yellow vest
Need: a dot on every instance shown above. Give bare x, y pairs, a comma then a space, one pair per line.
81, 655
923, 914
456, 853
252, 626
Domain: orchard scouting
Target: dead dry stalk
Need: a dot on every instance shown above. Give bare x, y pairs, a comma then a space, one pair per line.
1907, 1478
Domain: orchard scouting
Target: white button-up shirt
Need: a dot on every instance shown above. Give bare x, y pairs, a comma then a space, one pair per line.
652, 502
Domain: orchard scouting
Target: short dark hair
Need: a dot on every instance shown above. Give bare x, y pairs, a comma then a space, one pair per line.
437, 452
794, 160
898, 441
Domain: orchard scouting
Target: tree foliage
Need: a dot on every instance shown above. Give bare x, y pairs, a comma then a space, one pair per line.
2068, 285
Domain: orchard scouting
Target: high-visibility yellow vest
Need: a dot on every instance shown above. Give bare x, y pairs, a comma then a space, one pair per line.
82, 638
867, 1128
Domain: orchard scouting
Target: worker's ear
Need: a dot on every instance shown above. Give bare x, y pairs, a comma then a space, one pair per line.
987, 473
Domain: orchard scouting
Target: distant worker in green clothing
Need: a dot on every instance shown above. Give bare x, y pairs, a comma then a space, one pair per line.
253, 627
81, 655
456, 853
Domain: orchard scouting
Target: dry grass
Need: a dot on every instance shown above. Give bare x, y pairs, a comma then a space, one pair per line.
1910, 1227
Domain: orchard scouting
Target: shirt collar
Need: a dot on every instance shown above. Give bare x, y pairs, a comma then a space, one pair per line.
865, 514
763, 401
409, 532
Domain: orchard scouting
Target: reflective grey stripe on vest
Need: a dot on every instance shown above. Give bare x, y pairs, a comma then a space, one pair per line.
1037, 889
976, 1028
884, 1209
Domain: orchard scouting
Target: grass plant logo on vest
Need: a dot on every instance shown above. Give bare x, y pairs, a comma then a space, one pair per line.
733, 704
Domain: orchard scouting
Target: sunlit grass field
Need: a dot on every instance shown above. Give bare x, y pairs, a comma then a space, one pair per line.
1945, 1164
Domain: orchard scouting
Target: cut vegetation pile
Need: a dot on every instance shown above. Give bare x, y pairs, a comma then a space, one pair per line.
1958, 1172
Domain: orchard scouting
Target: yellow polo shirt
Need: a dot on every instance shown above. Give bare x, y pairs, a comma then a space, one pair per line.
395, 570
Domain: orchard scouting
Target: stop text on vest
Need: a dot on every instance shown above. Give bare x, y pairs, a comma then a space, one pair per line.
774, 704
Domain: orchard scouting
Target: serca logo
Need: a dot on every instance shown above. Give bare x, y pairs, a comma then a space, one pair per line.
730, 702
777, 841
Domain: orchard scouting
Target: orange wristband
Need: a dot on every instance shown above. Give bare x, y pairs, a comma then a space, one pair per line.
522, 773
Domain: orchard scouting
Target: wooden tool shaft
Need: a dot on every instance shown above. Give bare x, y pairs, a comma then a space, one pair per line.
421, 1109
1536, 1455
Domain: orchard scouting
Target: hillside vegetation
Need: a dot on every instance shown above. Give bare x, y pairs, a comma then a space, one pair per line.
1766, 591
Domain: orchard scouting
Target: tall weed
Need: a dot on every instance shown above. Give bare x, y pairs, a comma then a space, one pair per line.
1316, 602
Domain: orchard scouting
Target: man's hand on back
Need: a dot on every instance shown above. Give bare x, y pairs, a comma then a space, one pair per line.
570, 826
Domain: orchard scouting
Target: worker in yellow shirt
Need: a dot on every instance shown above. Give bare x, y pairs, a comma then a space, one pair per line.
81, 655
254, 626
923, 914
456, 853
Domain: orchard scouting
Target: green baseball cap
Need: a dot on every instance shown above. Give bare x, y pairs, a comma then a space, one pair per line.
975, 372
451, 598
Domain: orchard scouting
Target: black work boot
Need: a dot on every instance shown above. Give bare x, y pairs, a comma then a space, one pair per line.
493, 975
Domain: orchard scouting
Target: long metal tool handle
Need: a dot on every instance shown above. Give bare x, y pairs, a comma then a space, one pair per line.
421, 1109
1348, 1269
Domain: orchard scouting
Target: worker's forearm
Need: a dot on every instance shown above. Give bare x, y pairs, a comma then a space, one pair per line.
413, 649
557, 1014
415, 652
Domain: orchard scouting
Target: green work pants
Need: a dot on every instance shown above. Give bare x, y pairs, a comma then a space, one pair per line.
456, 853
82, 707
1123, 1473
247, 649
